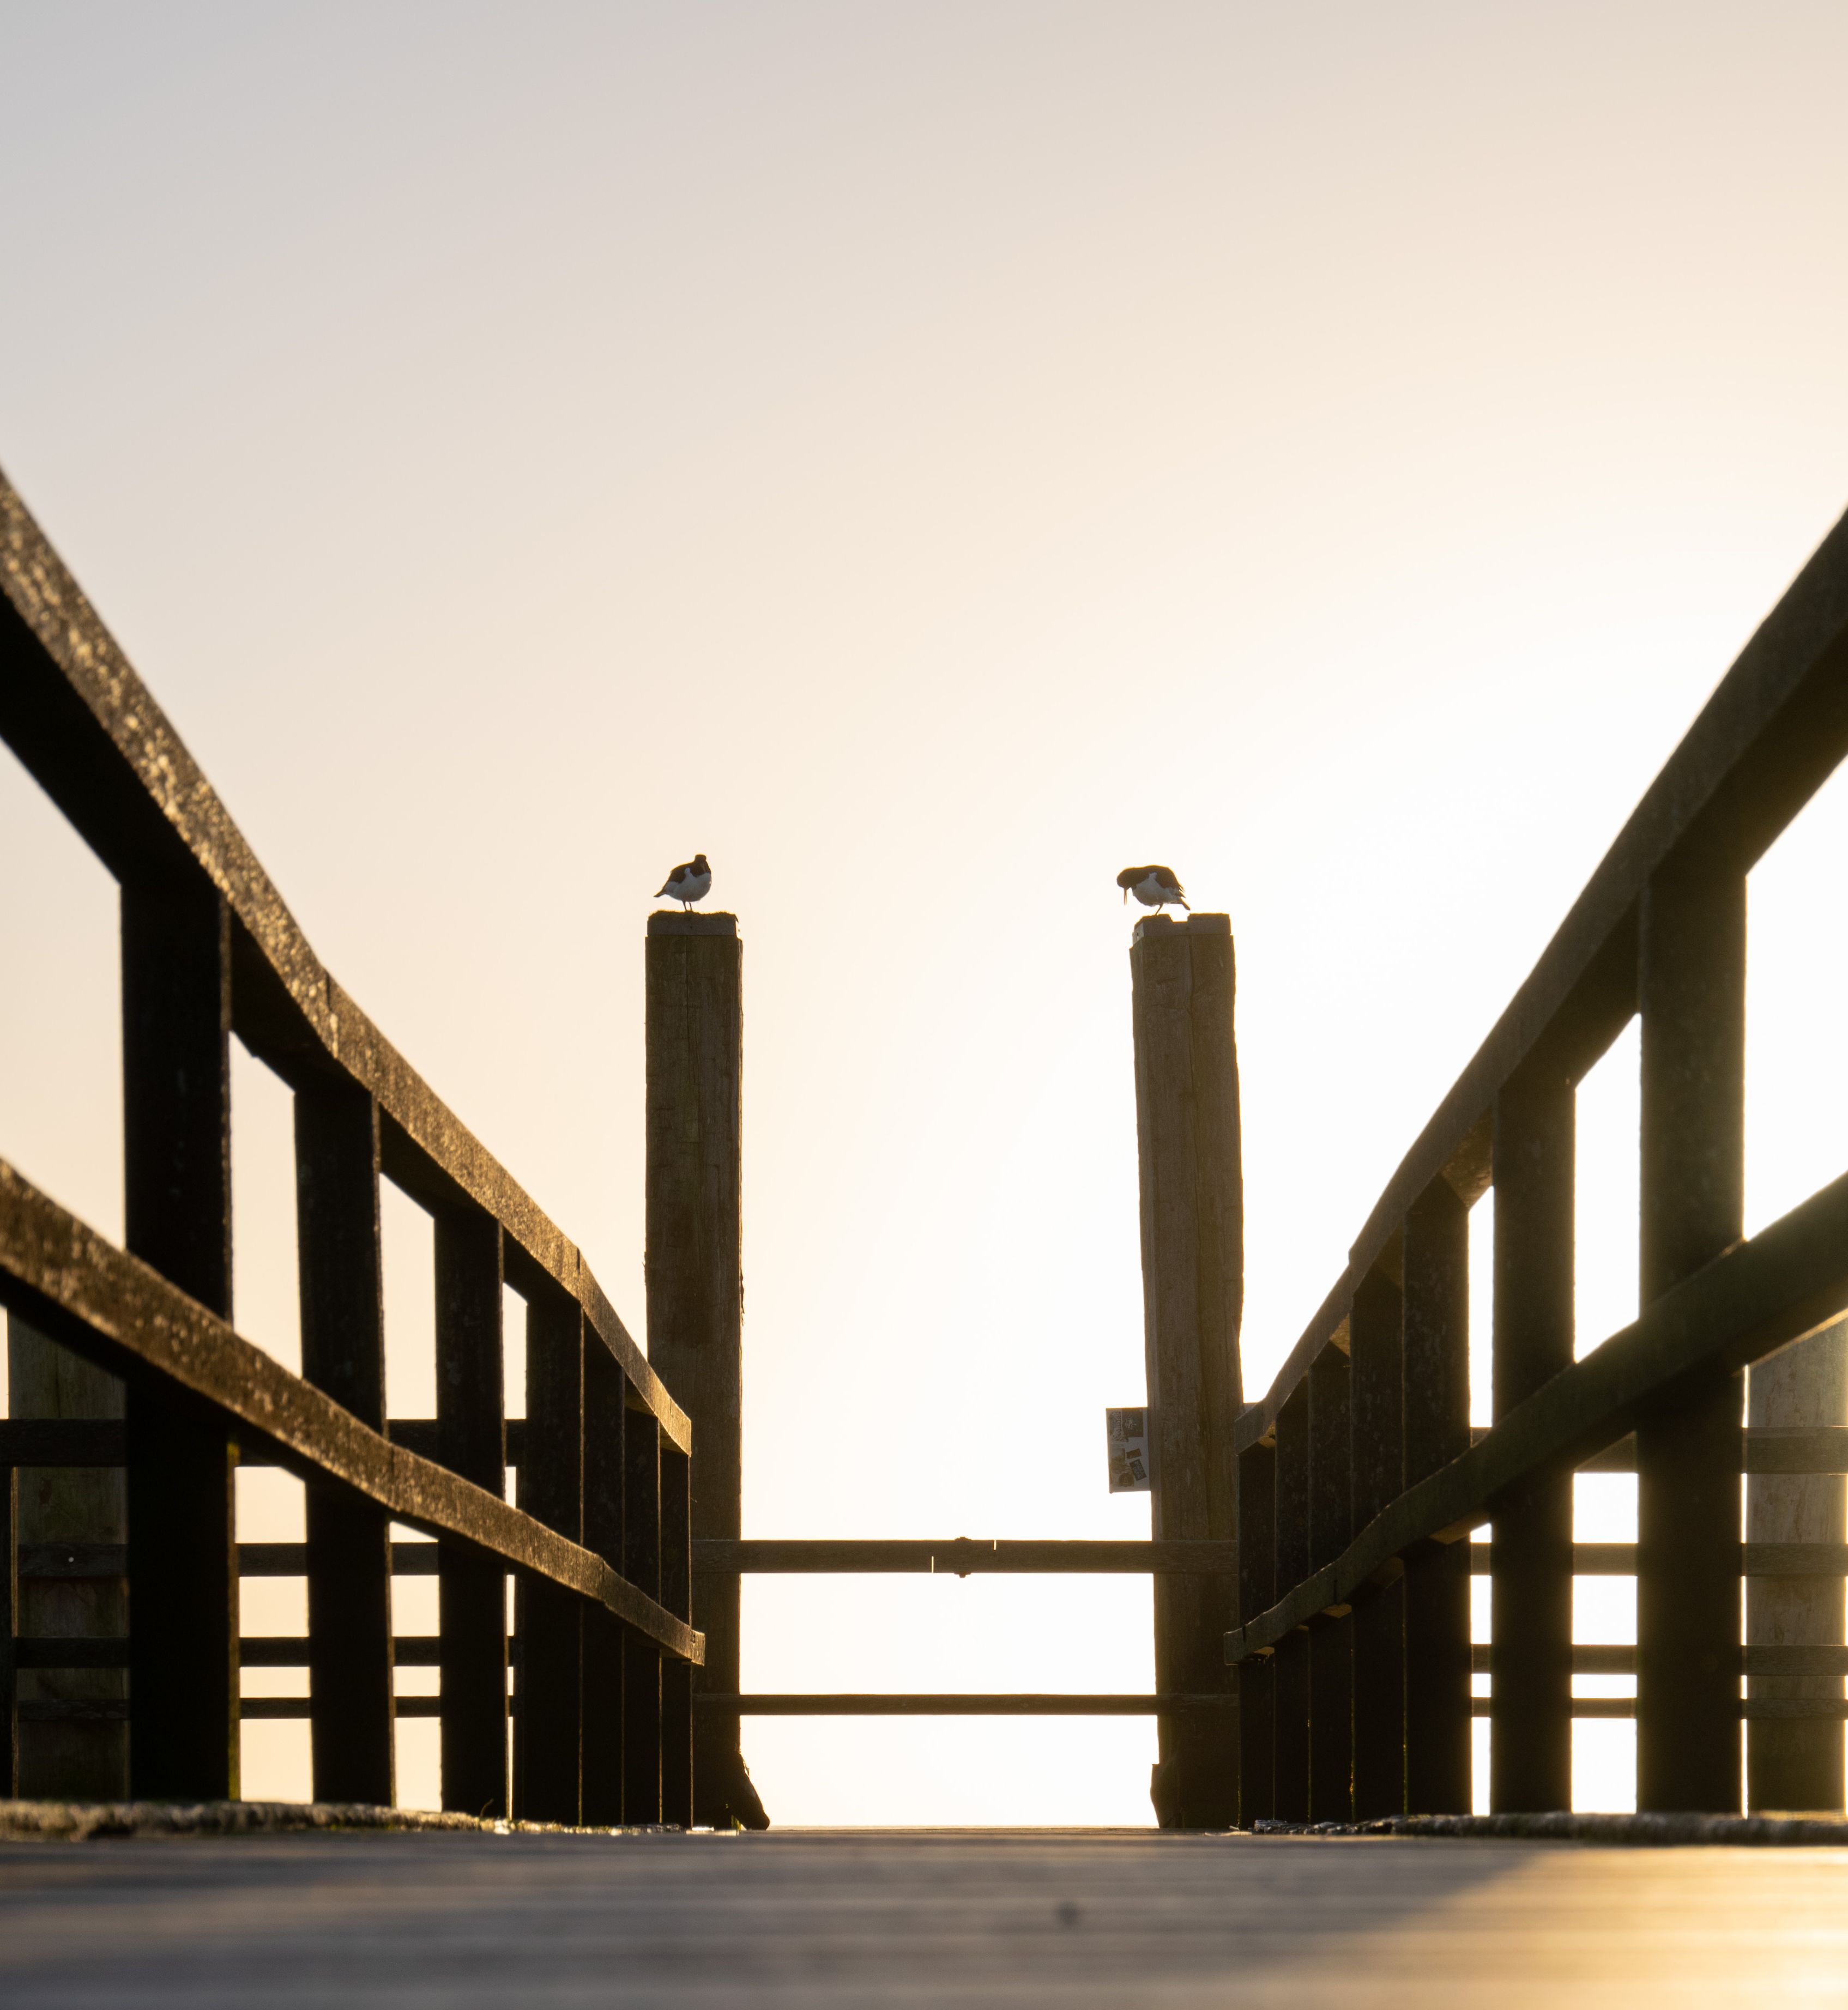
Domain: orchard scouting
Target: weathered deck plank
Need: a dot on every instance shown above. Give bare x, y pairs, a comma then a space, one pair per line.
841, 1918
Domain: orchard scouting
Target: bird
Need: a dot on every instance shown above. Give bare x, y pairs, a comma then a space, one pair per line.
688, 883
1154, 885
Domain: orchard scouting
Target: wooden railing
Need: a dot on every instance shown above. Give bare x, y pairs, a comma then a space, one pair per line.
1358, 1483
598, 1544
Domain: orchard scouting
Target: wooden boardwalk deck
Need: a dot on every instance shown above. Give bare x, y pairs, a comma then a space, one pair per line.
878, 1919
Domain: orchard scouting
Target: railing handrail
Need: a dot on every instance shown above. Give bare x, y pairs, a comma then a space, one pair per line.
90, 733
1773, 731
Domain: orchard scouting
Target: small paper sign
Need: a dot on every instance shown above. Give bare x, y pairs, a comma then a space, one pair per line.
1128, 1434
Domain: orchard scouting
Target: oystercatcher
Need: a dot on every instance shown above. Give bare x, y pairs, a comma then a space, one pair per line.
1154, 885
691, 883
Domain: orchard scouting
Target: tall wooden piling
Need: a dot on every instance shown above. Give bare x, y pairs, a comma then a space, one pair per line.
1183, 980
696, 1288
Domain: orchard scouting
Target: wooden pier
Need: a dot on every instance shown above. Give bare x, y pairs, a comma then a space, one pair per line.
1310, 1557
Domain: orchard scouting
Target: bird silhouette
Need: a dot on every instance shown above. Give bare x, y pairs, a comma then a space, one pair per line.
688, 883
1154, 885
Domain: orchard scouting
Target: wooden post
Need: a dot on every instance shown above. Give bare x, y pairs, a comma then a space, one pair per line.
1377, 1331
696, 1288
547, 1734
1530, 1714
1795, 1763
1183, 981
1437, 1397
1257, 1593
342, 1352
1691, 982
1290, 1685
605, 1393
1331, 1635
79, 1759
183, 1721
472, 1589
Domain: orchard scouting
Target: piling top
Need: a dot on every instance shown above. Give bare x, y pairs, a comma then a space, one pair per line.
672, 921
1199, 924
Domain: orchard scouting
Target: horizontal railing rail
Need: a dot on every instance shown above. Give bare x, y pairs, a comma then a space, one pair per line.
964, 1556
102, 1303
83, 1441
1000, 1703
1787, 1280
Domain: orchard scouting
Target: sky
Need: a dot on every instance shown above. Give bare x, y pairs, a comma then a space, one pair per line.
926, 458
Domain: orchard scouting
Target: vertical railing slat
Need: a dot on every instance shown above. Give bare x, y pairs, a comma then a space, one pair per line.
1691, 986
1257, 1593
1436, 1400
641, 1658
342, 1352
10, 1625
1331, 1636
547, 1734
1290, 1686
1375, 1336
471, 1590
605, 1393
1530, 1714
676, 1675
183, 1726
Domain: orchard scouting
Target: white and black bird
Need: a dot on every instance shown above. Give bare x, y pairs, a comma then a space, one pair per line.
1154, 885
689, 883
